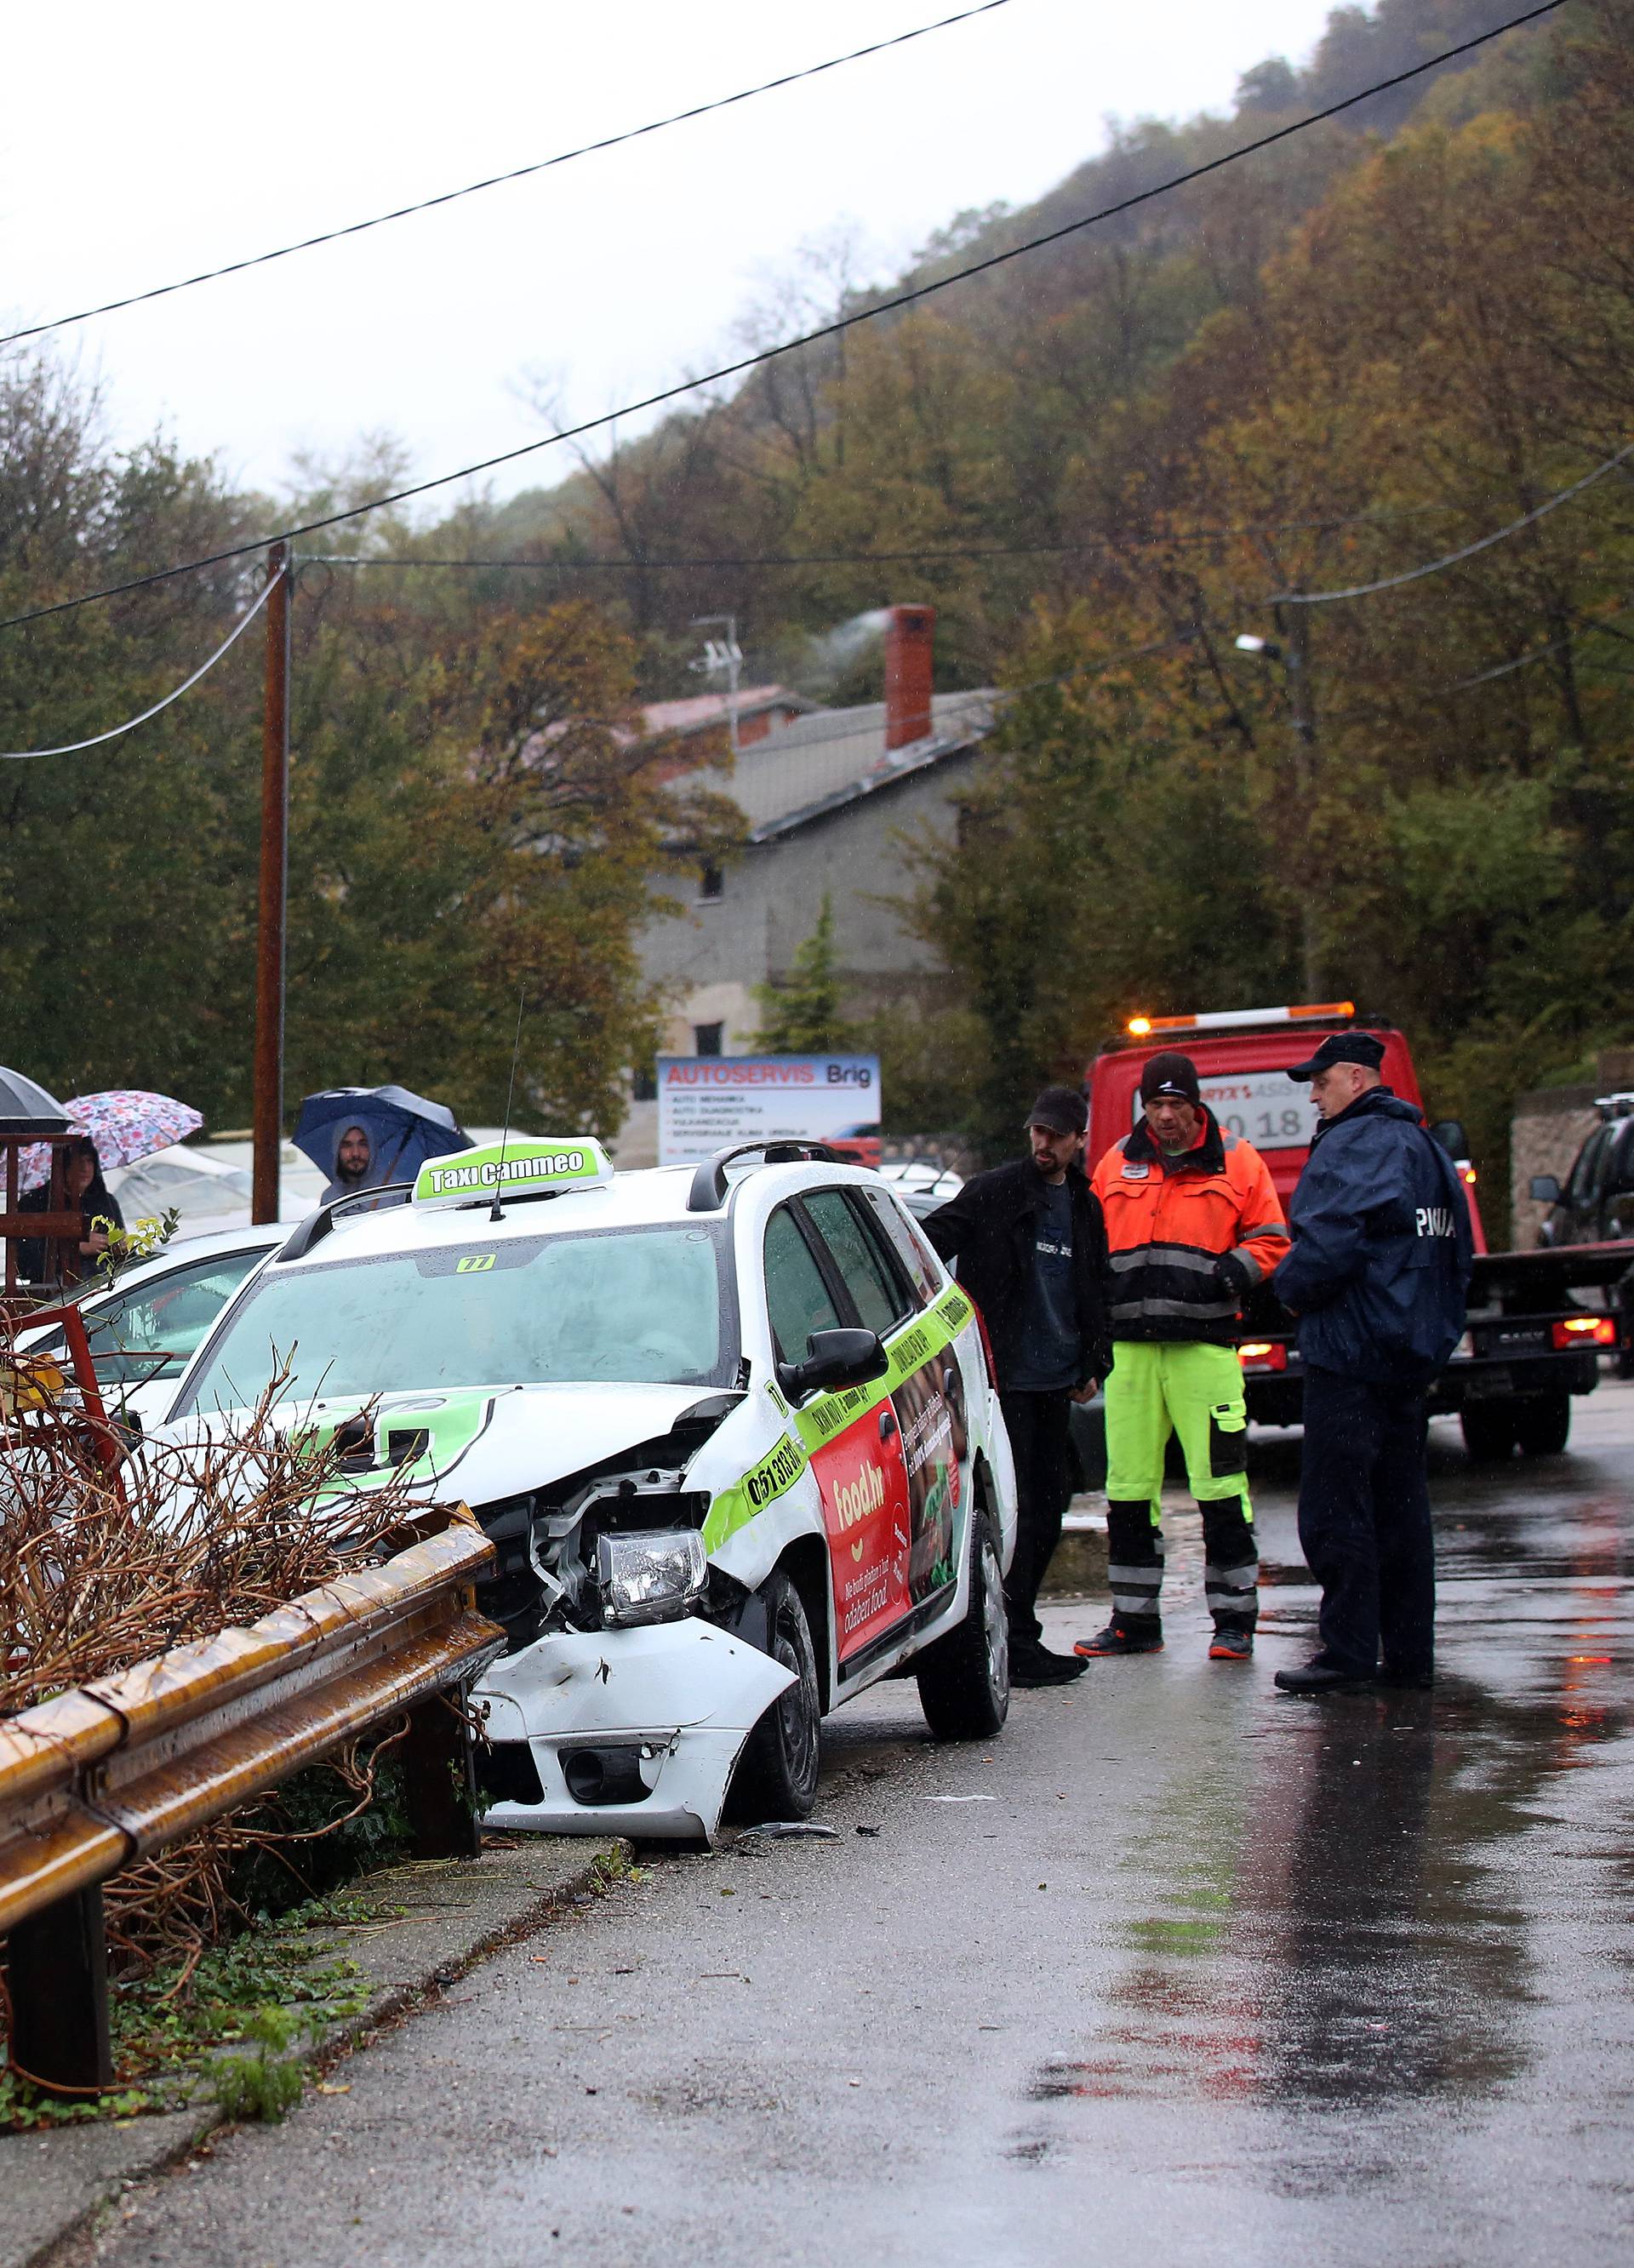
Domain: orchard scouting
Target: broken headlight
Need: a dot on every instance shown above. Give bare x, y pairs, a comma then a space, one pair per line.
646, 1575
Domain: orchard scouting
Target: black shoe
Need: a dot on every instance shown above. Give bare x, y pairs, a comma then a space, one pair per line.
1114, 1639
1320, 1676
1411, 1681
1036, 1666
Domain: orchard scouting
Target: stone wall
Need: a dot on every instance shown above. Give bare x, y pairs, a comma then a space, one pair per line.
1549, 1128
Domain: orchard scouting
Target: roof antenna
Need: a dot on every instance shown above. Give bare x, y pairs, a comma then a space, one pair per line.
504, 1132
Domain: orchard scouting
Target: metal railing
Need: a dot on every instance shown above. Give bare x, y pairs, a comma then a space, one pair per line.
104, 1775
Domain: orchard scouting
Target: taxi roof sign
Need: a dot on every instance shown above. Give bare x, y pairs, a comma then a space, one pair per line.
522, 1166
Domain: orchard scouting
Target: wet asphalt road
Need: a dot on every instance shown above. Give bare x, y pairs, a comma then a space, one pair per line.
1177, 1970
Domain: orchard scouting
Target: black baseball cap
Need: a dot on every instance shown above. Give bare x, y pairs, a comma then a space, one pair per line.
1341, 1047
1061, 1109
1170, 1073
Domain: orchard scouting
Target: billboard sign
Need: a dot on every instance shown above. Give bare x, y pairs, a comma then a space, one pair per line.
709, 1103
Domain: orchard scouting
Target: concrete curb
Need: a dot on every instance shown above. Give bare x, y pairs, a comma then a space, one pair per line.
454, 1913
1079, 1568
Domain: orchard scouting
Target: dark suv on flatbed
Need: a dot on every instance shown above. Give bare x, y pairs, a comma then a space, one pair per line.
1596, 1203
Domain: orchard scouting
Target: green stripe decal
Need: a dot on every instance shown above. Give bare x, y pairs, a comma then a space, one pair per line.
829, 1414
446, 1431
940, 1325
735, 1506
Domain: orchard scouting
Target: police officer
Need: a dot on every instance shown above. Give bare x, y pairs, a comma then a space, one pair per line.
1032, 1252
1377, 1277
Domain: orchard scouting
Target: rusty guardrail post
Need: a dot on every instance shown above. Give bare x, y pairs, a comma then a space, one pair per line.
109, 1772
440, 1773
57, 1969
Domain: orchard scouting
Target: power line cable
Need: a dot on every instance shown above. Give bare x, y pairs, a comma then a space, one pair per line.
909, 297
1152, 541
1453, 559
497, 181
1538, 653
116, 731
979, 708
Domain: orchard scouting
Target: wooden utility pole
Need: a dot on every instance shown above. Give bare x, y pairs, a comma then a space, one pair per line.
1296, 652
275, 844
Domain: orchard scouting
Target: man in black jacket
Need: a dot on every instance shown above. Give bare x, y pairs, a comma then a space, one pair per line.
1376, 1275
1031, 1248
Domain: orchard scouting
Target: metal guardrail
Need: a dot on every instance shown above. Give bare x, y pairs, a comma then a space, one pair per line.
102, 1776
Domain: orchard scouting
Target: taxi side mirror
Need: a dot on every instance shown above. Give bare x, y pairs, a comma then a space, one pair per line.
1543, 1188
835, 1360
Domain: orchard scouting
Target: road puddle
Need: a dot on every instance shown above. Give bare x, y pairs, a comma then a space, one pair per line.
1343, 1906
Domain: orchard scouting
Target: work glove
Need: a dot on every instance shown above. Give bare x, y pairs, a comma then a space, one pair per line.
1234, 1276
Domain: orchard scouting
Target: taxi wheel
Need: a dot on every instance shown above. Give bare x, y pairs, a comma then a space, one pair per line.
777, 1776
964, 1680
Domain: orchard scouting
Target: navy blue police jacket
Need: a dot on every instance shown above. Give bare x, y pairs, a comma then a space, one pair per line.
1382, 1246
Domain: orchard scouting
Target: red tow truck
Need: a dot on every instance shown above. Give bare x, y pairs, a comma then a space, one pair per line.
1530, 1345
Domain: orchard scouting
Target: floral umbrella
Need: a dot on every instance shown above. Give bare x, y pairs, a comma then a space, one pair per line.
125, 1123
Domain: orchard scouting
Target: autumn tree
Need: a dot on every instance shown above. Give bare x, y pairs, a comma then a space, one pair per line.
803, 1010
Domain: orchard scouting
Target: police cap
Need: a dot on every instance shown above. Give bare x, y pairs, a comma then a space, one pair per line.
1341, 1047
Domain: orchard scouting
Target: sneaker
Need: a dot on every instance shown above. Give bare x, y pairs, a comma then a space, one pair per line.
1417, 1681
1039, 1667
1231, 1645
1114, 1640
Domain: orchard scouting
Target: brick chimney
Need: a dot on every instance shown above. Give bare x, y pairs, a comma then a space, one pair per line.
908, 637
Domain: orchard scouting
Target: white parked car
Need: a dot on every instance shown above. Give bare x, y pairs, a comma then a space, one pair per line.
143, 1329
731, 1430
922, 1185
209, 1185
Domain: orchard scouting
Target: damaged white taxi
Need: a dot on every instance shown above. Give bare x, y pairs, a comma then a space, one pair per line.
731, 1429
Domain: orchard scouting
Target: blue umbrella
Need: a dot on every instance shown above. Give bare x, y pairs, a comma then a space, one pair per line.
404, 1130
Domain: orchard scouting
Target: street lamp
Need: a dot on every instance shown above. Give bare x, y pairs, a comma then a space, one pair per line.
722, 657
1292, 650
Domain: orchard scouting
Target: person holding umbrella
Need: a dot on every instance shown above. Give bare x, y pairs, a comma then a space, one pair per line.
366, 1138
355, 1165
118, 1126
83, 1186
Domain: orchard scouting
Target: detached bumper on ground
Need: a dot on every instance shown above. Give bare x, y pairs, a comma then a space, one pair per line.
633, 1732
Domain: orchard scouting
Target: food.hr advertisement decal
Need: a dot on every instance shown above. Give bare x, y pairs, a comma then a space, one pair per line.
864, 1505
892, 1483
707, 1102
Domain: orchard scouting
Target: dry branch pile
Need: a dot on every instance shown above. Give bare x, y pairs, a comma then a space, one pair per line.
96, 1574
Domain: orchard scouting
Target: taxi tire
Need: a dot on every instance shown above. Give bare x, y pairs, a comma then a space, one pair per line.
776, 1775
964, 1678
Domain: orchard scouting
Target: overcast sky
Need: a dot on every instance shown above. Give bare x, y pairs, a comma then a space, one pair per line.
144, 143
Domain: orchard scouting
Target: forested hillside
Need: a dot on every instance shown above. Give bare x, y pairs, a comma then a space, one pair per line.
1357, 353
999, 414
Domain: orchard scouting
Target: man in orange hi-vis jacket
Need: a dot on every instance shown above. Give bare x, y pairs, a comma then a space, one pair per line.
1193, 1223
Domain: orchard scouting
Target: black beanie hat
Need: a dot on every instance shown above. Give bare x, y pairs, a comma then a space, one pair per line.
1170, 1073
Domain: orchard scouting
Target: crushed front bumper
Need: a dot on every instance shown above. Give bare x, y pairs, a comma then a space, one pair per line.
631, 1731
